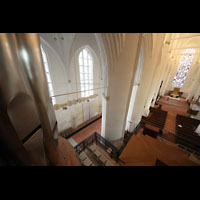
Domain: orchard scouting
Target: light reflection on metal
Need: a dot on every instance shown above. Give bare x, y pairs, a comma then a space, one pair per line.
28, 45
12, 89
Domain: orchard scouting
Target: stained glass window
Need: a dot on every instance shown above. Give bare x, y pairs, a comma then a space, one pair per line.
86, 72
183, 68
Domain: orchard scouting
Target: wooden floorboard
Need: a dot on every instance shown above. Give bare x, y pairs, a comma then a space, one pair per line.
170, 123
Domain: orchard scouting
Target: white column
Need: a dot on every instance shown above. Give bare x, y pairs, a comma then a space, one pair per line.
122, 54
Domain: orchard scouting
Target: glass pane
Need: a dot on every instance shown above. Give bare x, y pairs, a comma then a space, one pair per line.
86, 77
84, 53
91, 92
85, 62
86, 81
90, 76
86, 93
90, 63
90, 86
81, 54
86, 70
90, 70
81, 77
51, 93
86, 87
81, 69
82, 87
80, 61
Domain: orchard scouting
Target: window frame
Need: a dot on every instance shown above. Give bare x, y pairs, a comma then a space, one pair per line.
48, 75
86, 72
184, 65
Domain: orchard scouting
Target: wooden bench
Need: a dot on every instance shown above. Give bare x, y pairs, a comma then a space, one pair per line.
151, 130
185, 130
160, 163
156, 118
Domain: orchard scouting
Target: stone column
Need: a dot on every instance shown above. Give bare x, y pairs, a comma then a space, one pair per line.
122, 52
144, 82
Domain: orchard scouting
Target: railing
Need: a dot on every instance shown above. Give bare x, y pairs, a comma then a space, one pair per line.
82, 145
128, 138
98, 139
106, 145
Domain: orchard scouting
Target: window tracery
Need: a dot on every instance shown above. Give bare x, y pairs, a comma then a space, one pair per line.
183, 68
86, 72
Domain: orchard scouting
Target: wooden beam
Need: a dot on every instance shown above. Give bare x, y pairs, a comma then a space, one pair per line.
76, 92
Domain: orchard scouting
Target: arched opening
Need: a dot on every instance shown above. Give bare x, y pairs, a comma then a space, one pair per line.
48, 75
183, 68
86, 72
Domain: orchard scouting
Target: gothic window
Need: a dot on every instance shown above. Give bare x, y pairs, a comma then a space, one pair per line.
183, 68
86, 72
49, 81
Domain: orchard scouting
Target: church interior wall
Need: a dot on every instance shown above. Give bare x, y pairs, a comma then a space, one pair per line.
65, 76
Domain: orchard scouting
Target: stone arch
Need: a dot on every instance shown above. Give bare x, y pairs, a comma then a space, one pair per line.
57, 68
74, 65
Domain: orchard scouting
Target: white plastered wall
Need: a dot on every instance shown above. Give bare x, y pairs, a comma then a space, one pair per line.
61, 50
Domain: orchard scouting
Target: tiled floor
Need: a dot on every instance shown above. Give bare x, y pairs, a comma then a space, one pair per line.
86, 132
86, 122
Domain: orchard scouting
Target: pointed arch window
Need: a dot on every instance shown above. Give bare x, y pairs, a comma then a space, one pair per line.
183, 68
86, 72
48, 76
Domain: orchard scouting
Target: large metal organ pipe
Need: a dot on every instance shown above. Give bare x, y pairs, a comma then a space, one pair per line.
28, 127
28, 46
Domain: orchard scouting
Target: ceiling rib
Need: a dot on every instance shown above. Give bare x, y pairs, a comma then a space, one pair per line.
185, 37
186, 48
185, 53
